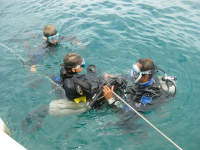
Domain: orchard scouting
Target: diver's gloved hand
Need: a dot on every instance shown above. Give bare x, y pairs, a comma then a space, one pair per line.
107, 92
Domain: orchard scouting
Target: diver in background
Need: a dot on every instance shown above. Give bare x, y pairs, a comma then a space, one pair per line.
49, 47
149, 92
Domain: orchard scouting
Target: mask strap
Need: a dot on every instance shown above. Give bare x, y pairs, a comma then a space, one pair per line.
45, 37
146, 72
132, 73
138, 78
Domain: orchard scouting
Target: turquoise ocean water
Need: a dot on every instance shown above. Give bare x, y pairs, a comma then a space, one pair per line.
116, 34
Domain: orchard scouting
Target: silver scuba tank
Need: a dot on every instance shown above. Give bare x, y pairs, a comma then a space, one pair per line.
168, 84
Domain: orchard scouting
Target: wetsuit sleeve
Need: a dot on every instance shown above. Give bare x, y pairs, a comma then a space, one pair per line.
36, 54
70, 38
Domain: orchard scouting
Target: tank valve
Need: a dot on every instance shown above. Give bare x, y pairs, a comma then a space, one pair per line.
169, 78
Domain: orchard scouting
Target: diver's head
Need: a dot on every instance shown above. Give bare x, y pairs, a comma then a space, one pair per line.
143, 70
50, 34
73, 63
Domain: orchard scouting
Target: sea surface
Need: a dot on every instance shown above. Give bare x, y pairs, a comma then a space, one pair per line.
114, 35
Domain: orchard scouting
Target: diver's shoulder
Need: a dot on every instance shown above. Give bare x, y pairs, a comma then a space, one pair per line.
68, 82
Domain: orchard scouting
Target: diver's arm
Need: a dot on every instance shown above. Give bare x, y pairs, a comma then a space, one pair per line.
71, 39
35, 55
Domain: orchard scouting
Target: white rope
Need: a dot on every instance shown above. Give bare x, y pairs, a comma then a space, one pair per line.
147, 121
16, 55
22, 59
8, 48
19, 57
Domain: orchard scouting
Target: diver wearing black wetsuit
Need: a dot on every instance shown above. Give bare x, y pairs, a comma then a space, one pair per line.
77, 87
143, 97
149, 93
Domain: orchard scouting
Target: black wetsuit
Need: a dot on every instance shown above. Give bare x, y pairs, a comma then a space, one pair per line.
144, 97
76, 85
46, 49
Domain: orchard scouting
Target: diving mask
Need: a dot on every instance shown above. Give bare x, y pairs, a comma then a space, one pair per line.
82, 65
137, 74
53, 37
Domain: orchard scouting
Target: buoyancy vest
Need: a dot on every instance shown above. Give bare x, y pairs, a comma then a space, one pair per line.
148, 91
79, 86
149, 97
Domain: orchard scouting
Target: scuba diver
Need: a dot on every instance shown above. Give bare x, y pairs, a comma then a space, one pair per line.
78, 88
72, 65
142, 91
146, 91
72, 89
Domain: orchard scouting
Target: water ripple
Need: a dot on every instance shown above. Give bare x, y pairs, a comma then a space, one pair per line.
116, 34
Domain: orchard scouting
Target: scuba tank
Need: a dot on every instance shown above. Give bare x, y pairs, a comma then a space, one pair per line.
168, 83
